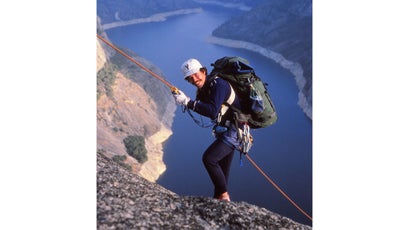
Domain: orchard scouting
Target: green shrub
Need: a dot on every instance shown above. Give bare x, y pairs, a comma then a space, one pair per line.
135, 147
106, 78
119, 159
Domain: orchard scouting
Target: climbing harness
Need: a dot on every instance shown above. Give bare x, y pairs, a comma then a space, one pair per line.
245, 135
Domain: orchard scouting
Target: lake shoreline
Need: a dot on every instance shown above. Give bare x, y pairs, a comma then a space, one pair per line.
160, 17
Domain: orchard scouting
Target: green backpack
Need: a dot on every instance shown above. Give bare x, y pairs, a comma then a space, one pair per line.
257, 107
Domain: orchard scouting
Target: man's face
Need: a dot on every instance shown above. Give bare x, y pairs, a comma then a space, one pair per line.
197, 79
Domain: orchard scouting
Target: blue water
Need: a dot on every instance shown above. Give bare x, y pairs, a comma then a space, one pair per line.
283, 151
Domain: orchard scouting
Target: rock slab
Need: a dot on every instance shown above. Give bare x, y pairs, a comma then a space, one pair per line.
128, 201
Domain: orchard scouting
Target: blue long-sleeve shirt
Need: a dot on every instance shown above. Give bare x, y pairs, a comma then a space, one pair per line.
211, 96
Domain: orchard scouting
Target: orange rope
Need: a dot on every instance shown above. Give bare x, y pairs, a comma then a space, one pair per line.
276, 186
137, 63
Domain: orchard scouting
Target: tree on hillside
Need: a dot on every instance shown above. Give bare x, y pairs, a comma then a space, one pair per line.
135, 147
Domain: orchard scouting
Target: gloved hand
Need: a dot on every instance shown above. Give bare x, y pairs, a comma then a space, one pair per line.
181, 98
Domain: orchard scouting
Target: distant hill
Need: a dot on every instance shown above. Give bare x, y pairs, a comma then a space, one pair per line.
283, 26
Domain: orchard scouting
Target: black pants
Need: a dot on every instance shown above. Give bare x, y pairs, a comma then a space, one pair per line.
217, 160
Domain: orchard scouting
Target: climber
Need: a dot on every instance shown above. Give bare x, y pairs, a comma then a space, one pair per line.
212, 92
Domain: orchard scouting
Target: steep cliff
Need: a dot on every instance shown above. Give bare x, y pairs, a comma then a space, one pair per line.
282, 27
130, 102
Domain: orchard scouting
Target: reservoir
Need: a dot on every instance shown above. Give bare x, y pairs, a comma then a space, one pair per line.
283, 150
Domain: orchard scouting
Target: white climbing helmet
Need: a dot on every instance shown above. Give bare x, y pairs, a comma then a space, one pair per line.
190, 67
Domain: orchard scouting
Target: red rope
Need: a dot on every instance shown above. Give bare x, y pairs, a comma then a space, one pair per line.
276, 186
137, 63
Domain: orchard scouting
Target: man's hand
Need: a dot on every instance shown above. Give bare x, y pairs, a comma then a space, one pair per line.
181, 98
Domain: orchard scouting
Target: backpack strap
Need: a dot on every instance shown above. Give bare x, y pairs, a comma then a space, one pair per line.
229, 101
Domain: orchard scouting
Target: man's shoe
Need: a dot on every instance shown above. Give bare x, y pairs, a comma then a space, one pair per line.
224, 197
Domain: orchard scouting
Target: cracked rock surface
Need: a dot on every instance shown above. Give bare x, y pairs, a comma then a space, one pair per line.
128, 201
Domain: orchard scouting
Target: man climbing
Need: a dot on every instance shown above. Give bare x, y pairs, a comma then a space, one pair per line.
212, 92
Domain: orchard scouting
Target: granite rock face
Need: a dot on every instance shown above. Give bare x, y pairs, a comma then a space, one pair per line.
128, 201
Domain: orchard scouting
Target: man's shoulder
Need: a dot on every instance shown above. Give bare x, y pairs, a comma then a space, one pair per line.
216, 81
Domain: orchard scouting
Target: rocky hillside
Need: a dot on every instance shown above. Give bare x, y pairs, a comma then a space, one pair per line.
282, 26
128, 201
132, 103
